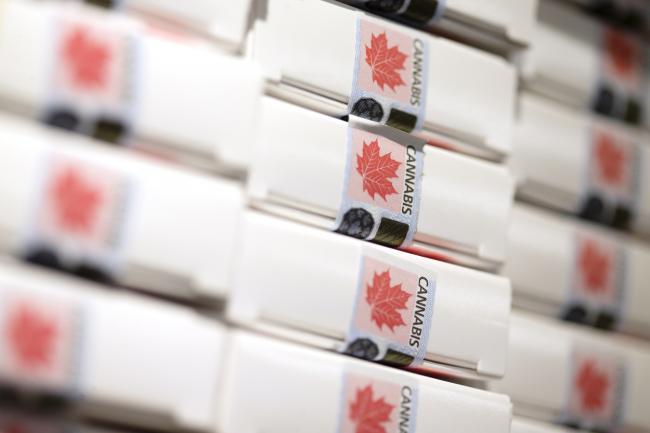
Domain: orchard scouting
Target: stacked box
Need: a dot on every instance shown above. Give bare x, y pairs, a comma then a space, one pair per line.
578, 249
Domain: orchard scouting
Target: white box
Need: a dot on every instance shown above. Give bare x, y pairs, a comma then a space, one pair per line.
564, 62
117, 356
542, 262
459, 106
278, 387
551, 157
497, 24
301, 282
540, 366
464, 206
184, 88
181, 226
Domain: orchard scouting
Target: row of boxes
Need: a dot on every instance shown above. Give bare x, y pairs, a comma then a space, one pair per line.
577, 239
151, 364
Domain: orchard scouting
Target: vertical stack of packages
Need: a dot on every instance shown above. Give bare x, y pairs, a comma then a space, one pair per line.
578, 241
115, 129
378, 211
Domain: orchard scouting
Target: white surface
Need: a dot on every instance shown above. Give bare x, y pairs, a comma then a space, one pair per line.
541, 260
225, 20
280, 387
306, 278
300, 160
135, 353
182, 226
190, 98
477, 109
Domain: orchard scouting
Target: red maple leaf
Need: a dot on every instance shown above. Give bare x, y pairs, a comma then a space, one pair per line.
376, 170
75, 201
592, 385
622, 50
31, 336
594, 266
369, 414
385, 301
385, 62
611, 159
87, 58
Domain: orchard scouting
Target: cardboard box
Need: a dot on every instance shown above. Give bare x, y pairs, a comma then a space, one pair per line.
307, 284
113, 215
569, 161
113, 355
299, 167
565, 373
176, 94
297, 51
551, 257
278, 387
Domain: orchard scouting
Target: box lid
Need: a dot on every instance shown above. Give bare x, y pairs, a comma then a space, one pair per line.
280, 259
278, 387
464, 204
144, 198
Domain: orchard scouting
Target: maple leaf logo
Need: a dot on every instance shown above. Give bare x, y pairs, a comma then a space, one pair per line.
31, 337
594, 266
593, 386
87, 59
376, 170
385, 301
385, 62
622, 51
369, 414
610, 159
76, 203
